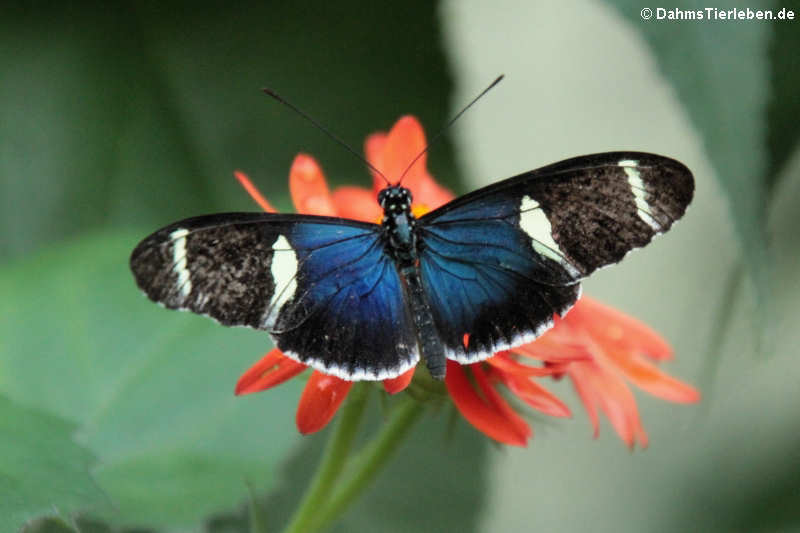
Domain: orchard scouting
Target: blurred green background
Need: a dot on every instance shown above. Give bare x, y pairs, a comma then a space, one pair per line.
115, 120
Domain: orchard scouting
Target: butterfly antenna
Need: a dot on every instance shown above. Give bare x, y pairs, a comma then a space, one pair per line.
438, 136
323, 129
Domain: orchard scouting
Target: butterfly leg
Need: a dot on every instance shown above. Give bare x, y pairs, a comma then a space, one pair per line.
430, 343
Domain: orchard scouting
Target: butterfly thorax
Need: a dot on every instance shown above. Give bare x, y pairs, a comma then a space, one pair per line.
398, 225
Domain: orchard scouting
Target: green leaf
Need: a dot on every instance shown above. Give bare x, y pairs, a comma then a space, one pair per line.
783, 131
720, 71
757, 490
77, 128
42, 469
150, 389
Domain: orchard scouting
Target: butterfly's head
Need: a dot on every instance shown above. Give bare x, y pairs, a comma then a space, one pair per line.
395, 199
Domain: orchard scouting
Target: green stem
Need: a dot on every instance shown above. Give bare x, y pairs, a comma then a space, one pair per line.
371, 460
256, 513
333, 461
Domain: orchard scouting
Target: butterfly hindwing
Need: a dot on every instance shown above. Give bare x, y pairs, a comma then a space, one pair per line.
349, 316
498, 262
489, 289
323, 287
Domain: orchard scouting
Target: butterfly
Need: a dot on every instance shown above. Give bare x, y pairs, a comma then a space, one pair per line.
483, 273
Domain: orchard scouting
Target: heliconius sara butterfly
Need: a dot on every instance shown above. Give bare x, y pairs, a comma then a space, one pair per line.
482, 273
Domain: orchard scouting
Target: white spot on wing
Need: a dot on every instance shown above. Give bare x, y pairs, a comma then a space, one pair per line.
534, 222
639, 194
284, 274
178, 238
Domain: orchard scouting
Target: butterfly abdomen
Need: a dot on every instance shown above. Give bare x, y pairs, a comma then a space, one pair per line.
428, 337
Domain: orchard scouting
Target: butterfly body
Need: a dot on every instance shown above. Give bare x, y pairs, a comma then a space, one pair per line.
401, 240
482, 273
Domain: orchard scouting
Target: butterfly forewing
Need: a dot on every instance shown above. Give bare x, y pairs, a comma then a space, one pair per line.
323, 287
216, 265
594, 208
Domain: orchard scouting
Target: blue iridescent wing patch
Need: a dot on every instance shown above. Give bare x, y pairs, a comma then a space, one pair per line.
488, 287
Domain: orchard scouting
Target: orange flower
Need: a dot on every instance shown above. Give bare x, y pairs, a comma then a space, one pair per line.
599, 348
596, 346
618, 348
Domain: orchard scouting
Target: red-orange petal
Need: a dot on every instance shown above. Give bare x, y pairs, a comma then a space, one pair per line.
608, 392
308, 188
611, 327
321, 398
427, 191
486, 415
254, 193
497, 401
272, 369
533, 394
503, 361
554, 348
357, 203
406, 140
587, 397
373, 149
398, 384
649, 378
